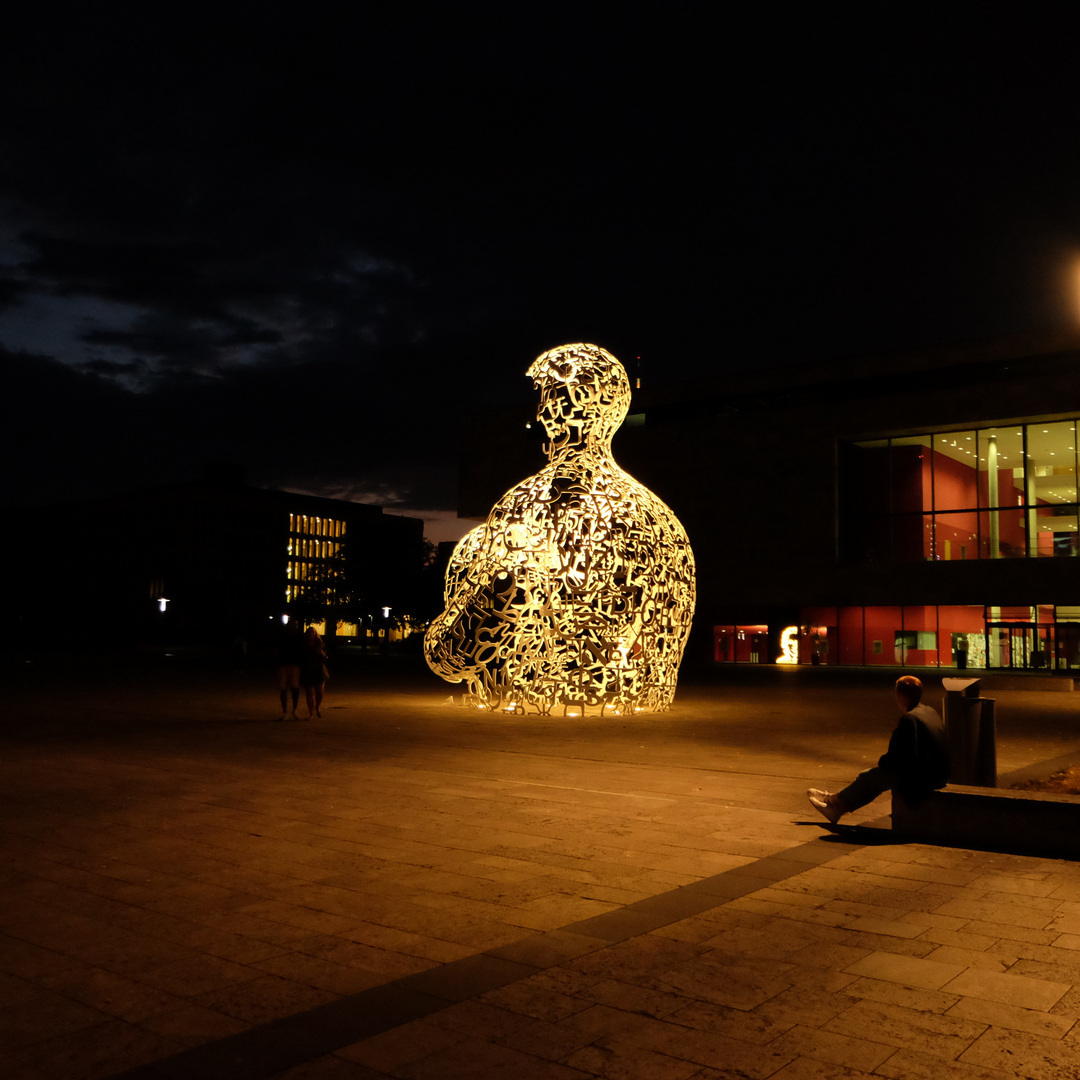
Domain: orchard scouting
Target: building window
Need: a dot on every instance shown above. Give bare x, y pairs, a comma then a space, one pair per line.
741, 644
1003, 492
314, 558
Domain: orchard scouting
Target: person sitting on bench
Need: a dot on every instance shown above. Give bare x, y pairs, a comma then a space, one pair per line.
917, 760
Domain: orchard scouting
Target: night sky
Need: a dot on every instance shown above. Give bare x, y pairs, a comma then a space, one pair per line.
304, 240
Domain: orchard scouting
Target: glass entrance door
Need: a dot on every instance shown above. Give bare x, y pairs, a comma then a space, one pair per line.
1019, 646
1042, 656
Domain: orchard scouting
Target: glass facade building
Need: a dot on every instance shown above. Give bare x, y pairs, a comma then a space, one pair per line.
1004, 492
1001, 492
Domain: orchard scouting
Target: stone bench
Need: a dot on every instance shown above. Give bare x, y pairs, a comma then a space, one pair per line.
993, 819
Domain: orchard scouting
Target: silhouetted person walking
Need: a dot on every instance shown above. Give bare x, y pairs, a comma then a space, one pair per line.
313, 671
287, 655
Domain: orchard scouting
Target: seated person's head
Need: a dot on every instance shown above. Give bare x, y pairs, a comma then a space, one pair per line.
908, 692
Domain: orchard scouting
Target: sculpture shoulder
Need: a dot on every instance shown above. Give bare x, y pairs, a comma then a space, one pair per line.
555, 480
652, 505
585, 483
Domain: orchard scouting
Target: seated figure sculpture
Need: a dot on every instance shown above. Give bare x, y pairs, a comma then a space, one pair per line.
578, 589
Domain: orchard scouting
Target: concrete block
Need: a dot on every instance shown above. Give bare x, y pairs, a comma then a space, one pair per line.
993, 819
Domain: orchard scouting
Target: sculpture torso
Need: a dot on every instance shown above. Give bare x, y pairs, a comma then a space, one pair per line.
579, 587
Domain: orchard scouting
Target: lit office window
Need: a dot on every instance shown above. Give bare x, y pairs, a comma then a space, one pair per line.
1002, 492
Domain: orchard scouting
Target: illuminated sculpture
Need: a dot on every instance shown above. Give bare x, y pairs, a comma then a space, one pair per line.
578, 590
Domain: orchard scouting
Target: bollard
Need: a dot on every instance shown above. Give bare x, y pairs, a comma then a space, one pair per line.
969, 721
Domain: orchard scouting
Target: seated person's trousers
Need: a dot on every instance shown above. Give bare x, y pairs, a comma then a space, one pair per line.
866, 787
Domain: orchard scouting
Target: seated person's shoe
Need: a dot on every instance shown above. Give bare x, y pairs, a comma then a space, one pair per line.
829, 810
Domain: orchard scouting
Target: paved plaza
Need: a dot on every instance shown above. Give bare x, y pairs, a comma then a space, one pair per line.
195, 889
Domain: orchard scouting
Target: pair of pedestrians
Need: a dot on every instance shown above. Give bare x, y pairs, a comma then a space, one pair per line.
300, 661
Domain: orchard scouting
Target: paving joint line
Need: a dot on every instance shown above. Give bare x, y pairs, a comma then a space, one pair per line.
290, 1041
588, 791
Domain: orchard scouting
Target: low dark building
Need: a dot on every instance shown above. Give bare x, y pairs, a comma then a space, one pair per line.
916, 509
216, 561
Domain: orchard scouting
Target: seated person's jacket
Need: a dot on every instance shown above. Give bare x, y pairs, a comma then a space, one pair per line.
918, 754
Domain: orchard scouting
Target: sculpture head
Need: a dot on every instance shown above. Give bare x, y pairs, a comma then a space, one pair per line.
584, 396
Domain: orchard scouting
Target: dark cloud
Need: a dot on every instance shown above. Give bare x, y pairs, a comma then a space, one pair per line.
130, 371
11, 292
310, 240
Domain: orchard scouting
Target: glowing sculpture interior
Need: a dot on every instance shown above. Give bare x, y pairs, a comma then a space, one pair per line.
578, 590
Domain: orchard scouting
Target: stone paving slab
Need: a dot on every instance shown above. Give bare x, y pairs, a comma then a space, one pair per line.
404, 889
